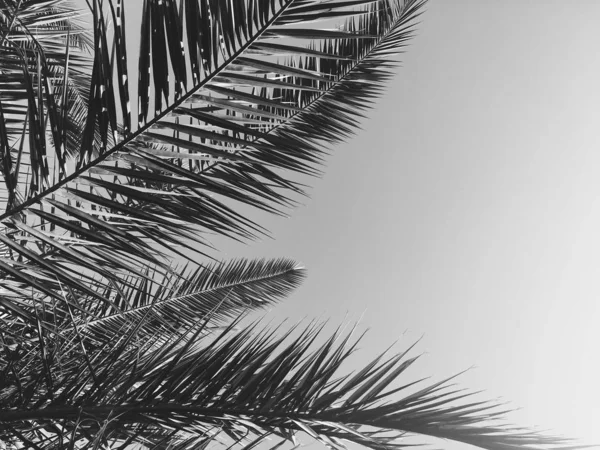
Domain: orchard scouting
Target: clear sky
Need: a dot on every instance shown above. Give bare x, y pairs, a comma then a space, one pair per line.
468, 210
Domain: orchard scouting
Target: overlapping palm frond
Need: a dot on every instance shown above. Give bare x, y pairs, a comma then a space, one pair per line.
162, 303
238, 99
243, 387
44, 85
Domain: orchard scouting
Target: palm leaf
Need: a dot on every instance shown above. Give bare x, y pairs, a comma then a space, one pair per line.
246, 386
52, 63
220, 137
161, 302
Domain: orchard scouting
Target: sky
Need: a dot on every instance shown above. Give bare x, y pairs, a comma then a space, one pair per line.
466, 211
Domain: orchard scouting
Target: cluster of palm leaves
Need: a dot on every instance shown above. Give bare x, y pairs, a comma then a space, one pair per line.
118, 328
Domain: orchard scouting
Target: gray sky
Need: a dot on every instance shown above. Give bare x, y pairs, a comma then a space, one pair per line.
467, 210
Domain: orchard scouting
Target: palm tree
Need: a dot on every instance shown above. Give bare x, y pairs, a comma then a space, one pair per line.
108, 344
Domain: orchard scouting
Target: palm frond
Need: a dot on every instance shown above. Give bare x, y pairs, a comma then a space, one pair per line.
245, 386
43, 73
232, 111
222, 291
161, 303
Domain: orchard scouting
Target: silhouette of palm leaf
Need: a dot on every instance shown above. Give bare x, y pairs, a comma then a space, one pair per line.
239, 100
243, 387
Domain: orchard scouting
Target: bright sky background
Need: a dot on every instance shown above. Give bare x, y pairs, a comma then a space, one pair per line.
468, 210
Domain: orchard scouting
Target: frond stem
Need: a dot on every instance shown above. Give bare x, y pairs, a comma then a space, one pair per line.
320, 95
148, 124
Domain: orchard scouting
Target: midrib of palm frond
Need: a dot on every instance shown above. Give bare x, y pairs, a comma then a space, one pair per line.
222, 291
318, 98
249, 382
291, 420
148, 125
154, 307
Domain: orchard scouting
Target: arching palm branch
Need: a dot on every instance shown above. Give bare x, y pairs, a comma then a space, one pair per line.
238, 99
185, 296
238, 388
